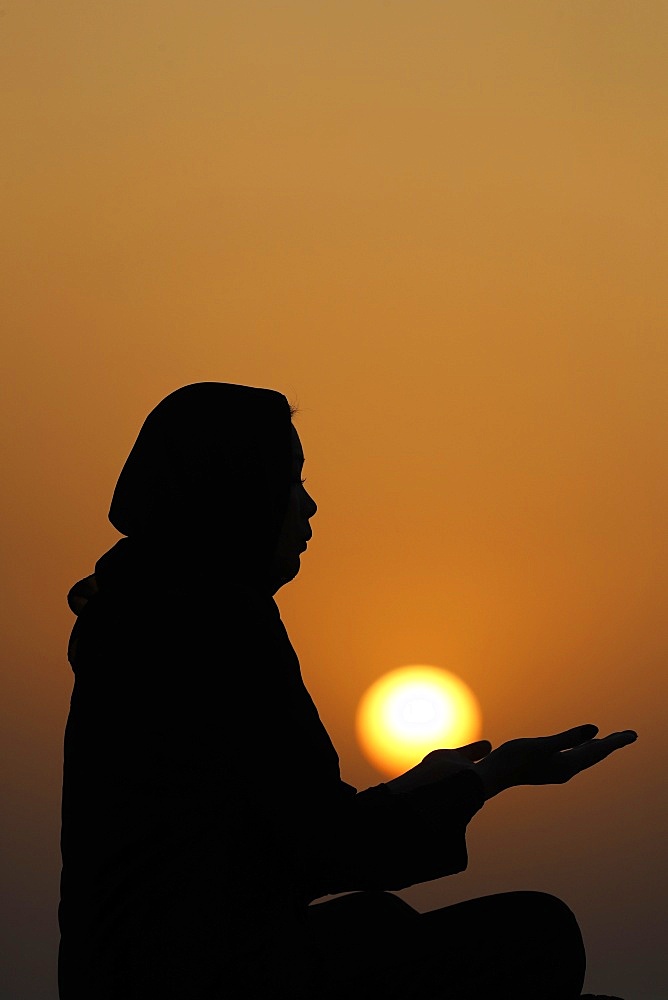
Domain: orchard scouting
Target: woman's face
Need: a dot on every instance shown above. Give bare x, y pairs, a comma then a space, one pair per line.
296, 529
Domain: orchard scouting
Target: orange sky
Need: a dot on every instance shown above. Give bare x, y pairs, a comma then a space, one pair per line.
440, 228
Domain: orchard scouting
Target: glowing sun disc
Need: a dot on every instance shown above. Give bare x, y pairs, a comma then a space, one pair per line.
412, 710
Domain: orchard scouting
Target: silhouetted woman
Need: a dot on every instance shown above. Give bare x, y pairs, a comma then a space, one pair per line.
203, 808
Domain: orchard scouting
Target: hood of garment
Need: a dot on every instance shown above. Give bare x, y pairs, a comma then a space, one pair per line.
202, 496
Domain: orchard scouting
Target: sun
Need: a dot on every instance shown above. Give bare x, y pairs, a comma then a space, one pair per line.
412, 710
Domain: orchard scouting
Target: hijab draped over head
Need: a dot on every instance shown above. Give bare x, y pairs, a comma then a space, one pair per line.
204, 491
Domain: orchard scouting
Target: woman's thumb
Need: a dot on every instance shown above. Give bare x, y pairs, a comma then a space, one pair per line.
475, 751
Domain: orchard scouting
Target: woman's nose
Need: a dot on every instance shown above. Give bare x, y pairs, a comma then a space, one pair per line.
310, 507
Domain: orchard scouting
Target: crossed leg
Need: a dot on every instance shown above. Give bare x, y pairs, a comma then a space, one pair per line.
509, 946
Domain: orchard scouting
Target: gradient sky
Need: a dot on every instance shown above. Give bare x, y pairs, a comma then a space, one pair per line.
439, 227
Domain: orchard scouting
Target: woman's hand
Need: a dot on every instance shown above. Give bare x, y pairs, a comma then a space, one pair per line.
440, 764
547, 760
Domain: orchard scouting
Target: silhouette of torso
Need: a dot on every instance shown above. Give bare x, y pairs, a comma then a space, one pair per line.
202, 801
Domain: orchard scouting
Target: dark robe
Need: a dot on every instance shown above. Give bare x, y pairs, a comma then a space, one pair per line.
203, 807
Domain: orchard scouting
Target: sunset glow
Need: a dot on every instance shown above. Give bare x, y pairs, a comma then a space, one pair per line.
411, 711
440, 229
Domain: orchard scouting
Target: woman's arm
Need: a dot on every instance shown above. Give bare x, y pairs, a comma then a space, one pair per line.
380, 839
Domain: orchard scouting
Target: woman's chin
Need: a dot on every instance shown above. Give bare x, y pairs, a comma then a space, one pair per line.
288, 569
295, 566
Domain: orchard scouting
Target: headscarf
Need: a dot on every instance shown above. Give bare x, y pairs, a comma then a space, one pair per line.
204, 491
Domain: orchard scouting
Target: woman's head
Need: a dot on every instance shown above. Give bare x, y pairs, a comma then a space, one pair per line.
209, 485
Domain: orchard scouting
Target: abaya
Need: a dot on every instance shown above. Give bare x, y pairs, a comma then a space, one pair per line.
203, 808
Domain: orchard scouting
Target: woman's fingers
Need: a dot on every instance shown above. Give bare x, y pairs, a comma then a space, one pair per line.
582, 757
548, 759
569, 738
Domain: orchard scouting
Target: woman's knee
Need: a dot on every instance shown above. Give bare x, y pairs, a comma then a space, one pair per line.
541, 909
552, 930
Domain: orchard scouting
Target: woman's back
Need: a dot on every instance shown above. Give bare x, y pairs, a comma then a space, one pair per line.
163, 843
